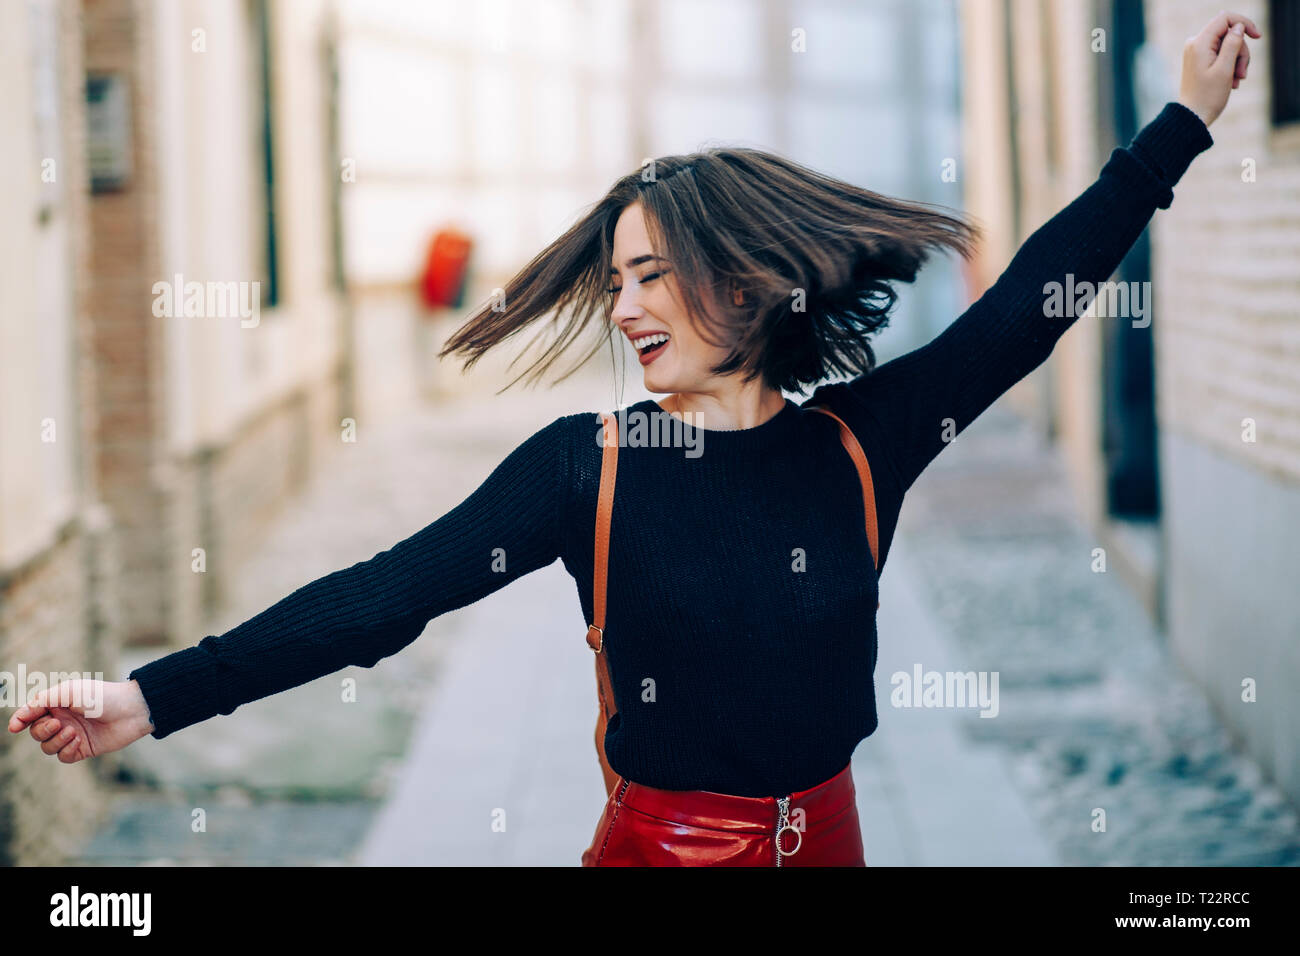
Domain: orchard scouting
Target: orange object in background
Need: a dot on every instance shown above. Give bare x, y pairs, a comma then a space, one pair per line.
443, 282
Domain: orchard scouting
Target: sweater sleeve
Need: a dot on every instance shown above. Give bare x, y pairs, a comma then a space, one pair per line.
509, 526
926, 397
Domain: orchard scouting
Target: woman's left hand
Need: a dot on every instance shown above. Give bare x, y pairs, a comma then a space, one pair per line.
1214, 63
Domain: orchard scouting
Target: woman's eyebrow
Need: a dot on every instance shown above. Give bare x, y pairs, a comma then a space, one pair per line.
613, 270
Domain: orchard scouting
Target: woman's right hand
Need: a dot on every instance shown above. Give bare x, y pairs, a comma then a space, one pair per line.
77, 719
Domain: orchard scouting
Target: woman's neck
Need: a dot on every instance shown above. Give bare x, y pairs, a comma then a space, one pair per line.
746, 406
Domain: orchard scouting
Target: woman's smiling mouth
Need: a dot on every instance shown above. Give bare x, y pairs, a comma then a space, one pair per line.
650, 345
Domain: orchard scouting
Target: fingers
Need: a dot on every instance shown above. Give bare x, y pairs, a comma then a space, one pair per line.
25, 714
61, 740
45, 728
53, 734
1230, 53
68, 694
55, 738
1242, 62
1216, 29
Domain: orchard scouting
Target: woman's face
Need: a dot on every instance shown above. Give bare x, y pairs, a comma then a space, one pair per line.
648, 307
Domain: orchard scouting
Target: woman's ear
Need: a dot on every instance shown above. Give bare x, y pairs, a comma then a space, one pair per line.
737, 295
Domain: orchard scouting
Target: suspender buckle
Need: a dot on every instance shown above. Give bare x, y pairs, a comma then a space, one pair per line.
599, 640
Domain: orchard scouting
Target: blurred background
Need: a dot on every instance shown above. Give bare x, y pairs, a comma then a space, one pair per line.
378, 167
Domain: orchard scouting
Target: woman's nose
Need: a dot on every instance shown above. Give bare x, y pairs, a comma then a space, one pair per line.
626, 306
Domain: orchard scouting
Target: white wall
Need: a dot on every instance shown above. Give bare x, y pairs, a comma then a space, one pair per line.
38, 485
210, 208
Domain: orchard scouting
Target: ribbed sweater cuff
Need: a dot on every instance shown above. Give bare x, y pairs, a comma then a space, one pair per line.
1170, 142
168, 687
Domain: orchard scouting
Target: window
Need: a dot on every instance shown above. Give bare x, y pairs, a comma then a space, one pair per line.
1284, 40
43, 20
265, 158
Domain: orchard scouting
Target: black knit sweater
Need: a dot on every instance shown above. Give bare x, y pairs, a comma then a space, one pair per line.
741, 626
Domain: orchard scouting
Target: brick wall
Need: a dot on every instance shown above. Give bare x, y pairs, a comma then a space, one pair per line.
127, 343
46, 807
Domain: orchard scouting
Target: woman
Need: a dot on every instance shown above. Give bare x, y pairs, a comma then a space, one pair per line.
741, 623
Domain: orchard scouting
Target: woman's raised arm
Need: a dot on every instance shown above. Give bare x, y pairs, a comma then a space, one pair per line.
925, 398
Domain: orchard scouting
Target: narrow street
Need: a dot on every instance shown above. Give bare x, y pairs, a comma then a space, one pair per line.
1094, 714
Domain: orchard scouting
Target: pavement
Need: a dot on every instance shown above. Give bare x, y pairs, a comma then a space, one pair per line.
474, 745
1116, 751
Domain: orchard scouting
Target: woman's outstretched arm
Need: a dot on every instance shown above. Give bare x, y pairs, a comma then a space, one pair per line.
925, 398
509, 526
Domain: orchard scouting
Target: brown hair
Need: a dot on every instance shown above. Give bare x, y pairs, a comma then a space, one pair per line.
735, 218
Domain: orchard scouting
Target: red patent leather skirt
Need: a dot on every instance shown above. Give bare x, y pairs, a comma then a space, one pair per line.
644, 826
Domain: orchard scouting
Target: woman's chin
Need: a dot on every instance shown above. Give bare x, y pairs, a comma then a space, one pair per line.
657, 382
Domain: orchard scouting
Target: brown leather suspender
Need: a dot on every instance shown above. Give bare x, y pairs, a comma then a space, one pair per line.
604, 509
596, 630
850, 443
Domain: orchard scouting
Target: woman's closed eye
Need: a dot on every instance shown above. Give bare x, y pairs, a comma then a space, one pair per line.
643, 280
